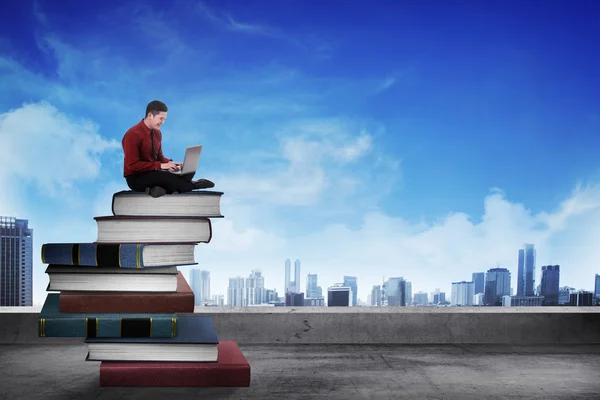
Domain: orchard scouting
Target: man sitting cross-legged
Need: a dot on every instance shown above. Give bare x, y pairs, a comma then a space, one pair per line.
146, 169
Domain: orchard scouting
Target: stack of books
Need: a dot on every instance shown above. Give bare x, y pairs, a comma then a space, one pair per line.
126, 297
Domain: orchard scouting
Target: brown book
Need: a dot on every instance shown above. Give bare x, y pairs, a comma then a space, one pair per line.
182, 301
231, 370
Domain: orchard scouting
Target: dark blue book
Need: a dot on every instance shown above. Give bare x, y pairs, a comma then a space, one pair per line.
196, 341
121, 255
53, 323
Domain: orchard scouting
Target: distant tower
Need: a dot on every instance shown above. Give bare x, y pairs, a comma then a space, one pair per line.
350, 281
297, 288
200, 282
286, 285
16, 262
550, 284
526, 271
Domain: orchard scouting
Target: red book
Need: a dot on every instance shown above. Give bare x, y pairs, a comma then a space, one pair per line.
182, 301
231, 370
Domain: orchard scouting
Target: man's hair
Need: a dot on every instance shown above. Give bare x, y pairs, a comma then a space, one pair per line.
154, 107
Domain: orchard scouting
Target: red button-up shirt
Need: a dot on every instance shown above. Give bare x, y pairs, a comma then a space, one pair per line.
137, 148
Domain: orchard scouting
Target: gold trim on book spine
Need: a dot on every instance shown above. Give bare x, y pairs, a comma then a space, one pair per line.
96, 327
138, 256
150, 327
96, 254
43, 254
173, 327
42, 330
86, 327
79, 255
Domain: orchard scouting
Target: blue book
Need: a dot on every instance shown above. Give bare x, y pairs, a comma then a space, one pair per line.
121, 255
53, 323
196, 341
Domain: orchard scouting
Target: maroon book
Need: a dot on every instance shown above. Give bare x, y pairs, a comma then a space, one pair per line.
182, 301
231, 370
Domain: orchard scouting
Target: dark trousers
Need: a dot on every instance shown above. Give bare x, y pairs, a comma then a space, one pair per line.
168, 181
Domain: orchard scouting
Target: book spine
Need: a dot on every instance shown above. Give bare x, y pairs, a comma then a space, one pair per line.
128, 255
159, 326
181, 374
126, 303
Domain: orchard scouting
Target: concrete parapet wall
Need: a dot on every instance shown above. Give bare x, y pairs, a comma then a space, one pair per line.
363, 325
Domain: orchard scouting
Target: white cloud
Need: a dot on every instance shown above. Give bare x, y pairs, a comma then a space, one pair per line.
39, 143
430, 255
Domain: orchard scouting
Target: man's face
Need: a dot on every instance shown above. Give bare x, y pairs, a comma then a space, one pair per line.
156, 121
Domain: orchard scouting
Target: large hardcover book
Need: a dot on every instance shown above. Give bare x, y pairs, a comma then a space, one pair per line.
122, 255
53, 323
198, 203
70, 278
150, 229
231, 370
181, 301
196, 341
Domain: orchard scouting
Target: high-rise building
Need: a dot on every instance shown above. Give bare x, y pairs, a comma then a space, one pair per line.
235, 292
271, 296
462, 293
408, 293
313, 290
200, 283
255, 288
339, 295
478, 282
376, 296
394, 292
582, 299
550, 284
297, 288
286, 285
564, 295
218, 300
497, 284
526, 271
421, 299
16, 262
350, 281
597, 286
292, 286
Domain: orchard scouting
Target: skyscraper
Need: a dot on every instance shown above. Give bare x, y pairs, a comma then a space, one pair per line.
478, 282
313, 291
376, 295
497, 284
235, 292
462, 293
297, 276
255, 289
16, 262
350, 281
286, 285
394, 292
292, 286
200, 282
550, 284
597, 286
526, 271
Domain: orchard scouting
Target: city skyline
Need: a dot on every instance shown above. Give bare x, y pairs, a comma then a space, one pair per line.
334, 140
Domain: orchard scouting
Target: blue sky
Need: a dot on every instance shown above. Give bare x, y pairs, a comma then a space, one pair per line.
426, 140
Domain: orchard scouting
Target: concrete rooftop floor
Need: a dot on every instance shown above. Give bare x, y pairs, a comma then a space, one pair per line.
58, 371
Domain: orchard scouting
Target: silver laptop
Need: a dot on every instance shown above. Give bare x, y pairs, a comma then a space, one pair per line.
191, 161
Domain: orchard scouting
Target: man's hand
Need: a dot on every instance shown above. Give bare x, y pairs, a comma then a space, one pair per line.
171, 166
